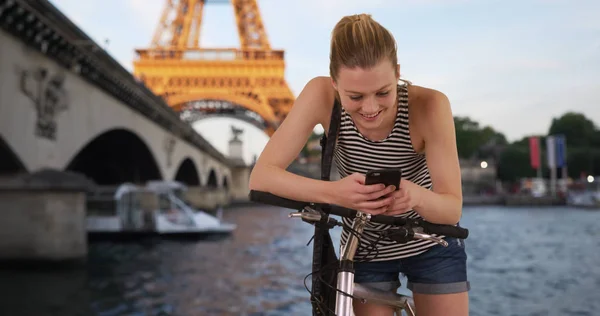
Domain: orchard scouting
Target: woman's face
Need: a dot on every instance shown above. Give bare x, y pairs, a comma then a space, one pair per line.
369, 95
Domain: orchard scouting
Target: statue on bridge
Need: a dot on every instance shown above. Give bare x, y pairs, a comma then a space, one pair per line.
236, 133
49, 96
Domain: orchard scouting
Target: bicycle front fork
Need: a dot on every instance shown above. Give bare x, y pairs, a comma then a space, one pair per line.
345, 284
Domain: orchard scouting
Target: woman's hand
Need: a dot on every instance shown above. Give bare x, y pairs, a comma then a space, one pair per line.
405, 199
351, 192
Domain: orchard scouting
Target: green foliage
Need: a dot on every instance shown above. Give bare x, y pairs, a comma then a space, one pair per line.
584, 160
474, 141
578, 130
513, 163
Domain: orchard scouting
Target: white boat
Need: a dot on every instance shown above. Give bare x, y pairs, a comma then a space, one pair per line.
584, 199
178, 216
158, 208
584, 194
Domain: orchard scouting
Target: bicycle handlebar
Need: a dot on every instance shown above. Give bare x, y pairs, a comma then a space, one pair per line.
430, 228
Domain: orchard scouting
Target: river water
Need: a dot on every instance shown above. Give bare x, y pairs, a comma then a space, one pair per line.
522, 261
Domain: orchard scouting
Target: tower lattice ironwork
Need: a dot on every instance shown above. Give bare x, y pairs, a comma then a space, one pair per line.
246, 82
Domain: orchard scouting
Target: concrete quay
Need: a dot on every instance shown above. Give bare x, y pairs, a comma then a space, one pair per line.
512, 200
43, 217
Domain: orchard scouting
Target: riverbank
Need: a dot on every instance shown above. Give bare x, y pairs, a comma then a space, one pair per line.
512, 200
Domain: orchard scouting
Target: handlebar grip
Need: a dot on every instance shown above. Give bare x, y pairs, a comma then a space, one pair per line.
446, 230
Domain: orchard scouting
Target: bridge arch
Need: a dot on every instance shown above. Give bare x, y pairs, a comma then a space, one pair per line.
212, 179
10, 163
181, 103
188, 173
116, 156
226, 183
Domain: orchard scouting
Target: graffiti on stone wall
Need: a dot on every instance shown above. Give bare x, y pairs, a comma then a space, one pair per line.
47, 92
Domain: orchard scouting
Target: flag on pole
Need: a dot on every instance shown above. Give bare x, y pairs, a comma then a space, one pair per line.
551, 151
561, 151
534, 152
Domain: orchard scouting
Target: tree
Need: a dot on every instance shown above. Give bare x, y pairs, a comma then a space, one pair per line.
513, 160
596, 139
583, 160
475, 141
514, 164
578, 130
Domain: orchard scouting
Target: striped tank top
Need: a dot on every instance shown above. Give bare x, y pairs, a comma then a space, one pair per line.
355, 153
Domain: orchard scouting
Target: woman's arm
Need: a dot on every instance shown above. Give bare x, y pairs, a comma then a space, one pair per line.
443, 204
312, 107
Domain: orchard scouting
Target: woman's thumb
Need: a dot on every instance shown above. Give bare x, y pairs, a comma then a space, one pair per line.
358, 178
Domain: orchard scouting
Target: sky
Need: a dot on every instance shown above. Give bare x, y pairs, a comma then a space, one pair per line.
512, 64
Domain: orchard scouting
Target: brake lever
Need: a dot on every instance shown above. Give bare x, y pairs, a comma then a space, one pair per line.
312, 217
432, 238
306, 216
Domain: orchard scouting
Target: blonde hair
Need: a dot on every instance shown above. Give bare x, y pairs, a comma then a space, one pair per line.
359, 41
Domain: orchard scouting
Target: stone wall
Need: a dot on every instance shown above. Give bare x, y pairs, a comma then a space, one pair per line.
43, 217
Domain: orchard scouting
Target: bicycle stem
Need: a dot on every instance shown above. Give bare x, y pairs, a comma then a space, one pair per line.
352, 244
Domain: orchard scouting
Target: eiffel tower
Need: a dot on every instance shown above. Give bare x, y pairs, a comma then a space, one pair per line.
247, 83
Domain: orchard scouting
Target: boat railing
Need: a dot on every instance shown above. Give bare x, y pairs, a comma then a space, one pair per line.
183, 207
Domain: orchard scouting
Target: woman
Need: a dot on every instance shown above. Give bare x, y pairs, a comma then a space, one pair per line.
385, 124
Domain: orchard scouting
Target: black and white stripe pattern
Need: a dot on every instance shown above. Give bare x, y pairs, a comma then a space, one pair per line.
355, 153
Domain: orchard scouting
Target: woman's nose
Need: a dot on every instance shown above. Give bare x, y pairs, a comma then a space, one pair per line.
370, 105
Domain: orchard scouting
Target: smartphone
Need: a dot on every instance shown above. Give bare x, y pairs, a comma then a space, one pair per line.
385, 176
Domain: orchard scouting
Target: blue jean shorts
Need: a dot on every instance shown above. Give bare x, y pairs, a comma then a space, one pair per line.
439, 270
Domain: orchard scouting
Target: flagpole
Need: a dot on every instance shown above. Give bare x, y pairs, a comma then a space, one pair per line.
551, 157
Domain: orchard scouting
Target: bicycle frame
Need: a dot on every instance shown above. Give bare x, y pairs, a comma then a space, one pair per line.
346, 289
345, 280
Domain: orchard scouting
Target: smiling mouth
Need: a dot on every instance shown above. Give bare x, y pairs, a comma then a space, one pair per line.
370, 116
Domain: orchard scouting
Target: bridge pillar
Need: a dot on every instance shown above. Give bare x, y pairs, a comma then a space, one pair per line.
43, 217
240, 176
240, 171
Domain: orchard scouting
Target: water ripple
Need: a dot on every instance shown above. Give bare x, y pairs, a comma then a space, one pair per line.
536, 261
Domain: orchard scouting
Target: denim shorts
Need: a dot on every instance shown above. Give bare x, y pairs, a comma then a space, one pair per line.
439, 270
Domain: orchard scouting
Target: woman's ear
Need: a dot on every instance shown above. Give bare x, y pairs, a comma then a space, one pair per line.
334, 84
398, 72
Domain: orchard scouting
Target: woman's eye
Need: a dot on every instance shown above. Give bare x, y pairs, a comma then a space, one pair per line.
355, 98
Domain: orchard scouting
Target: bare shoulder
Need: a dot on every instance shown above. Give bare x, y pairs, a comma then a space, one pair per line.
428, 106
320, 87
317, 97
309, 109
428, 100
